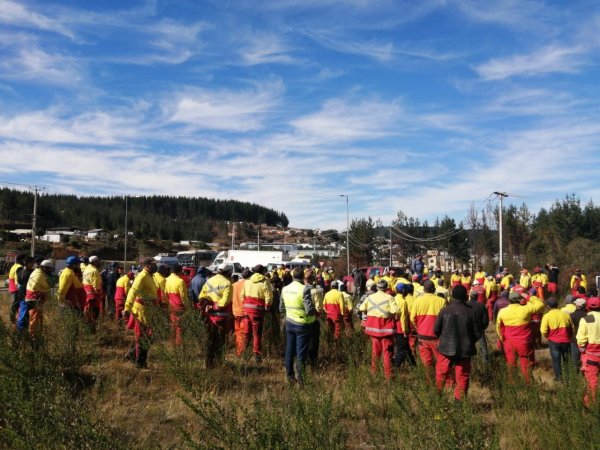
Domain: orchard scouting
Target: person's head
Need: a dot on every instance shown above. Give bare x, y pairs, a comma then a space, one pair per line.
577, 271
479, 269
20, 259
515, 297
401, 288
580, 303
473, 296
382, 285
298, 274
334, 285
342, 286
72, 261
149, 264
581, 290
593, 303
94, 260
85, 260
163, 270
415, 278
38, 261
259, 268
504, 294
224, 269
429, 287
247, 273
29, 262
476, 283
440, 282
310, 277
176, 269
47, 265
410, 289
568, 299
551, 303
459, 293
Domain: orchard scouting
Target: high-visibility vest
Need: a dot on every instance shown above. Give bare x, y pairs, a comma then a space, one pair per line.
381, 309
292, 296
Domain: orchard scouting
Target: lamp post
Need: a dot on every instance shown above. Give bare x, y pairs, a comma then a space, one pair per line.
126, 233
347, 235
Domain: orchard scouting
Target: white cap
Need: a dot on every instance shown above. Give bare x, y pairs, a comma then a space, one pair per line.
94, 259
47, 263
222, 266
475, 283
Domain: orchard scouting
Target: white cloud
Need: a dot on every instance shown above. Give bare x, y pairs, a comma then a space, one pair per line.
261, 48
13, 13
551, 59
225, 109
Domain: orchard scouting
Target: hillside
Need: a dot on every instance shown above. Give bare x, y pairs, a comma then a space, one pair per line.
161, 217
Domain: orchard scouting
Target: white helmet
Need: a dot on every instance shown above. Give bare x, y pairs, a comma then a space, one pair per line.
47, 263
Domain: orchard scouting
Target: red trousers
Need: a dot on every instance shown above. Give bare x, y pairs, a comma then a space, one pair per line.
256, 322
524, 350
119, 307
490, 309
552, 288
429, 356
175, 317
462, 371
382, 346
242, 329
334, 325
590, 369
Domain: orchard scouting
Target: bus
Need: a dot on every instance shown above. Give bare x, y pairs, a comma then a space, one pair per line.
196, 258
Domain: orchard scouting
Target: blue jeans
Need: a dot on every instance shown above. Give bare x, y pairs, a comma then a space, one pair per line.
559, 352
298, 337
23, 315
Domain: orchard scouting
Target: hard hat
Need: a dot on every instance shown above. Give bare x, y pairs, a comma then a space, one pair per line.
94, 259
399, 287
475, 283
72, 260
223, 267
47, 263
369, 284
593, 303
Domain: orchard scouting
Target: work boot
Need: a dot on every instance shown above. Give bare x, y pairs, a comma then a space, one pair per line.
258, 358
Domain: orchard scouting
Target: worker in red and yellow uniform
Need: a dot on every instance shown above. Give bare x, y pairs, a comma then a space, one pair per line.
536, 318
514, 331
217, 296
177, 293
257, 297
466, 279
121, 291
539, 280
13, 286
480, 275
491, 295
31, 310
480, 290
143, 293
92, 283
70, 288
161, 280
557, 327
348, 306
506, 280
455, 279
588, 340
381, 309
333, 304
577, 280
525, 279
417, 288
241, 323
423, 314
402, 350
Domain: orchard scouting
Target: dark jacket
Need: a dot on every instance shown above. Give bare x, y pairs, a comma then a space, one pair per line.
482, 320
456, 328
576, 317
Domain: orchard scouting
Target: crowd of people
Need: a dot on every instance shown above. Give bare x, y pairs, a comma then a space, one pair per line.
404, 311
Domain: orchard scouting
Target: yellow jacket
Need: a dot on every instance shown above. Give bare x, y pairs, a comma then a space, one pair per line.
12, 277
403, 316
141, 293
582, 283
174, 284
91, 278
490, 287
347, 302
525, 280
257, 286
67, 279
160, 286
333, 303
38, 282
218, 289
588, 335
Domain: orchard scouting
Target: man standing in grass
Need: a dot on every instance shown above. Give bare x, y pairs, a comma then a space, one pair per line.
257, 296
423, 315
458, 331
13, 286
297, 305
557, 327
588, 340
515, 334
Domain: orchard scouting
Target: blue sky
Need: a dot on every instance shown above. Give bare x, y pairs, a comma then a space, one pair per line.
421, 106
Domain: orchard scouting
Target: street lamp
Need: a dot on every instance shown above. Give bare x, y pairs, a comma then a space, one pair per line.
126, 234
347, 235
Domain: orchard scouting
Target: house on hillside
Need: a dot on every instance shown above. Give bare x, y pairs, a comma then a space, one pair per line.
98, 233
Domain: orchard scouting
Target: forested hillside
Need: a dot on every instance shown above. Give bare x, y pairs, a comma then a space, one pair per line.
162, 217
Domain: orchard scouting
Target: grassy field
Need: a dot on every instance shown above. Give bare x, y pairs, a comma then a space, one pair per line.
78, 391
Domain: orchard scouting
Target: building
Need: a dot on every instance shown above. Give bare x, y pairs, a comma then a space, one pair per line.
97, 234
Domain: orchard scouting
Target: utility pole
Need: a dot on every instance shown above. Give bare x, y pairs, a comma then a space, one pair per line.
233, 236
501, 195
390, 246
347, 234
34, 221
259, 237
126, 235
